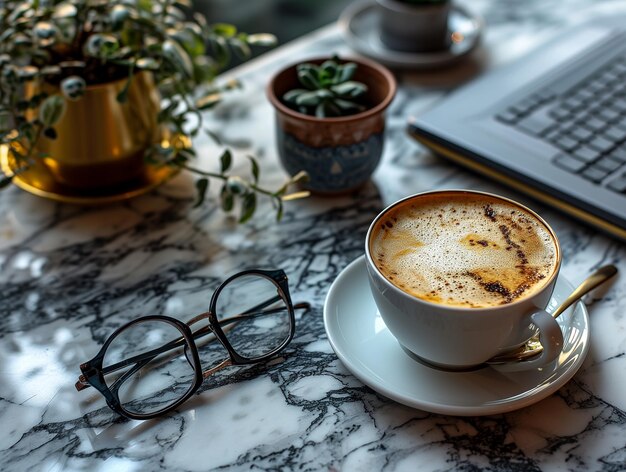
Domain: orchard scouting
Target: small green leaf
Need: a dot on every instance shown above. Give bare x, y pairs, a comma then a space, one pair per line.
148, 63
73, 87
226, 160
118, 15
279, 209
208, 101
51, 110
254, 168
224, 29
248, 206
6, 121
236, 186
262, 39
202, 186
5, 181
101, 45
50, 133
228, 200
175, 53
213, 136
64, 10
242, 50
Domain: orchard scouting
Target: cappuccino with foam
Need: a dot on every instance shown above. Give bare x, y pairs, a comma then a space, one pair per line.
464, 249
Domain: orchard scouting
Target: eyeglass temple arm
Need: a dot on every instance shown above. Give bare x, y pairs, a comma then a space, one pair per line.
143, 359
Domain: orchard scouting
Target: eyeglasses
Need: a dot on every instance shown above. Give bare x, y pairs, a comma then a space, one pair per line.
151, 365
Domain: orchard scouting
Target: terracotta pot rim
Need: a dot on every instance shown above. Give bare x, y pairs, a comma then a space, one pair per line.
386, 73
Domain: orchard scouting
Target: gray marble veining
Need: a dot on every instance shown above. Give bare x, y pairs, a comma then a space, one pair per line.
70, 275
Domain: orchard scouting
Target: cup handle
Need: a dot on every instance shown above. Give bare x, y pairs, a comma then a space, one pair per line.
551, 338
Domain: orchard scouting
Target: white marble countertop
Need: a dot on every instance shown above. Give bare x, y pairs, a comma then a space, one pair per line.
70, 275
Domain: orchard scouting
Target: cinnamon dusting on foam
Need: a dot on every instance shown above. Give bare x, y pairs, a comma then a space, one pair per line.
463, 250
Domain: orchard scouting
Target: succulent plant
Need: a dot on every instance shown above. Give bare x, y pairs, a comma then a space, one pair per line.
78, 43
328, 90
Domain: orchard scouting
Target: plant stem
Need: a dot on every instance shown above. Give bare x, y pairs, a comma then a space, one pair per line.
225, 178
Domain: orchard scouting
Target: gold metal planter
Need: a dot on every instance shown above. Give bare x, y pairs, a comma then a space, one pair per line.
98, 155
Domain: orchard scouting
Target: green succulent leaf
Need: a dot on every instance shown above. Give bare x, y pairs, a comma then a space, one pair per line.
292, 95
347, 106
51, 110
309, 79
345, 72
320, 110
349, 89
309, 99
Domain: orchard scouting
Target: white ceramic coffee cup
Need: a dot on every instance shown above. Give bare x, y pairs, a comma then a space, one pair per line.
458, 338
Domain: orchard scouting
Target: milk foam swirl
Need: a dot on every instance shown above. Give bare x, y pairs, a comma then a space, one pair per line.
463, 250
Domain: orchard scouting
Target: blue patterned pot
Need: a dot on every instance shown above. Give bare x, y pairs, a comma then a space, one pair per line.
340, 153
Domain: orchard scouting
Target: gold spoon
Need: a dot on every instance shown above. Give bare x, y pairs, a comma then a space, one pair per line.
533, 347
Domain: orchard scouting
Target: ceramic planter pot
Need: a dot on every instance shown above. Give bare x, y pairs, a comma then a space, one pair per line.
338, 153
414, 27
100, 141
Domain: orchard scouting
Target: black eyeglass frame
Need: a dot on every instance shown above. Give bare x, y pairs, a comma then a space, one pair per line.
93, 371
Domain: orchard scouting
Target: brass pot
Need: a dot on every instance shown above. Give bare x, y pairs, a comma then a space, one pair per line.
100, 141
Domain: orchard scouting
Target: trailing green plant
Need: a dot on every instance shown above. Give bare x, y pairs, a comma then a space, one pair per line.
328, 90
78, 43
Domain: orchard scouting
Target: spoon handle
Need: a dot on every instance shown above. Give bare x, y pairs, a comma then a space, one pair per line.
597, 278
533, 347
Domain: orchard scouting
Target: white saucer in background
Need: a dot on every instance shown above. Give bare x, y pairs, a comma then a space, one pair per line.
360, 25
363, 343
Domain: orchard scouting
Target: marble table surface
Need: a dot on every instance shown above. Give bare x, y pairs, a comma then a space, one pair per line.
70, 275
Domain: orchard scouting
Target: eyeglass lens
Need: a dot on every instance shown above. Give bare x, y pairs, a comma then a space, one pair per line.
151, 380
253, 315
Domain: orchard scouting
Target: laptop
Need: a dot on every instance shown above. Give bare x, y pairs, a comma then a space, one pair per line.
551, 124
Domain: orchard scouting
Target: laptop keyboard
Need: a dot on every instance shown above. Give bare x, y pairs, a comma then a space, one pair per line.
587, 124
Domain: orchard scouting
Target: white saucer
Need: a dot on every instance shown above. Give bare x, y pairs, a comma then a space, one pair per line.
359, 23
363, 343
